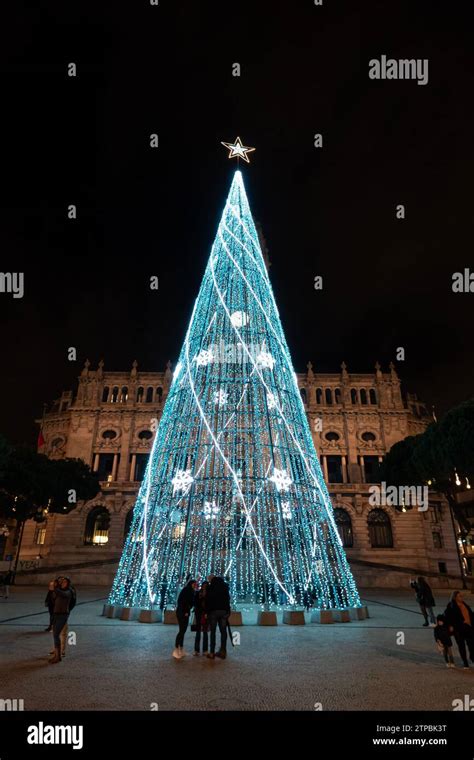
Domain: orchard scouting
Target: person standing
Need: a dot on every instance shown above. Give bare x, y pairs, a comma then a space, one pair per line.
202, 625
183, 611
6, 583
64, 633
307, 599
62, 595
443, 640
424, 597
460, 619
218, 612
49, 603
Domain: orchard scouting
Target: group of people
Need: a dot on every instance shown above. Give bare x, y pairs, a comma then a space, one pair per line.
457, 621
60, 600
207, 606
210, 604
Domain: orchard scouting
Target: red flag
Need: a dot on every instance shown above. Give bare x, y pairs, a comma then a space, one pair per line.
41, 440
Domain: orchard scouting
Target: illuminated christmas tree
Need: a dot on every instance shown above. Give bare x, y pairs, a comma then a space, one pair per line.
233, 484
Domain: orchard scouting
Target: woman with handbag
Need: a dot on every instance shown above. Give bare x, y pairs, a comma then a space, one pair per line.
200, 624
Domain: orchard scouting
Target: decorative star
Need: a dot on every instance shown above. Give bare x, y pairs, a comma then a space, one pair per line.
237, 150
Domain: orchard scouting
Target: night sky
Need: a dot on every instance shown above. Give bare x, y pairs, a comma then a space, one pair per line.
329, 211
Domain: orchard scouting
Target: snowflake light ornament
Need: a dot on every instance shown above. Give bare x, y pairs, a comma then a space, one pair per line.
265, 360
281, 479
182, 481
239, 319
286, 510
271, 400
211, 510
220, 397
204, 357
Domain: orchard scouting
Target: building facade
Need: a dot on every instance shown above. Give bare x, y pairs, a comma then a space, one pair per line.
354, 418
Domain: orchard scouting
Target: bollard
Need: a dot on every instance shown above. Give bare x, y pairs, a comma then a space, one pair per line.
149, 616
267, 618
293, 617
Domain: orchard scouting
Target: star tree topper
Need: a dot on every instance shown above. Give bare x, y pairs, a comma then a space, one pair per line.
237, 150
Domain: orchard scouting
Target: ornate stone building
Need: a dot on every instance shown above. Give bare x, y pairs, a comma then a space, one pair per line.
354, 418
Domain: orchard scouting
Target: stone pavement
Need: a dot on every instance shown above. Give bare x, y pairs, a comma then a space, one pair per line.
118, 665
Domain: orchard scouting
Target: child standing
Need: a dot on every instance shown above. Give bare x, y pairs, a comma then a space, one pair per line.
443, 640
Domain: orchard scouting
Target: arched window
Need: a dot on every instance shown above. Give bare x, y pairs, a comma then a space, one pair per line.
105, 394
380, 529
127, 523
149, 395
373, 396
368, 437
115, 392
303, 395
159, 394
328, 396
319, 395
124, 395
363, 396
337, 395
332, 436
97, 527
344, 526
145, 435
353, 395
140, 394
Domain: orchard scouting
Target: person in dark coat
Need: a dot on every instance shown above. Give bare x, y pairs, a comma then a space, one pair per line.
424, 597
183, 611
443, 640
49, 603
218, 612
460, 620
6, 582
202, 625
307, 599
62, 596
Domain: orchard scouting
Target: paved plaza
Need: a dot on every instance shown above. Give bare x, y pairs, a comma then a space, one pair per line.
118, 665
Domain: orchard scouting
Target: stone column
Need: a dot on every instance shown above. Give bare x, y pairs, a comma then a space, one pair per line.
362, 467
114, 467
344, 470
123, 470
133, 467
96, 463
325, 468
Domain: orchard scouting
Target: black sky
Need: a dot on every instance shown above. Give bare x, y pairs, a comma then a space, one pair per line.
304, 69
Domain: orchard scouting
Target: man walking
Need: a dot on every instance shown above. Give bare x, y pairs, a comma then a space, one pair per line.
62, 604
